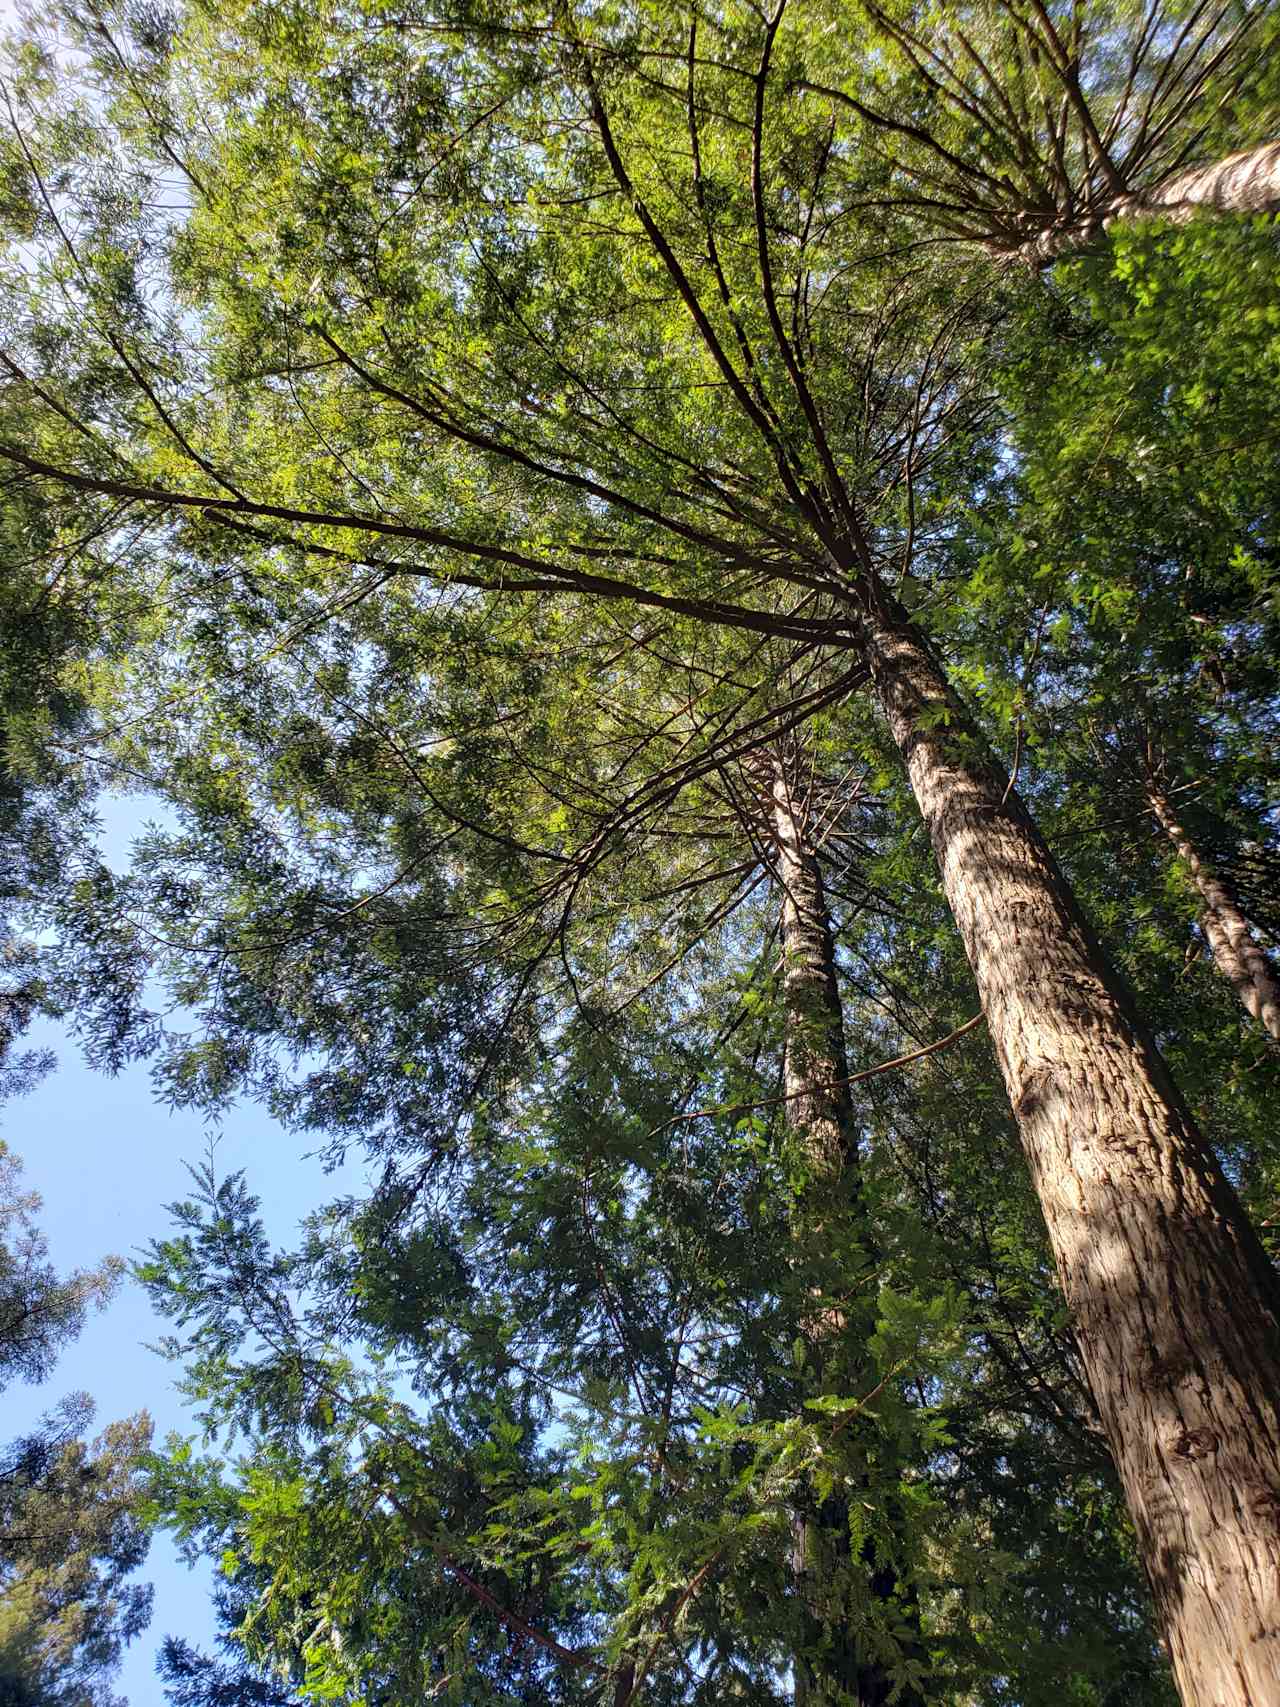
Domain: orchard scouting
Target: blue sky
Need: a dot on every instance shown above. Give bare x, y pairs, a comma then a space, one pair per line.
107, 1158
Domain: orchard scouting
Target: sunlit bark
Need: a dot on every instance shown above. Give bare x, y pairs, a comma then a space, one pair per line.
1243, 183
1236, 951
1174, 1305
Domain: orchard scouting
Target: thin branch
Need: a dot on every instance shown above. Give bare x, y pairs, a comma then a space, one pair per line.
830, 1085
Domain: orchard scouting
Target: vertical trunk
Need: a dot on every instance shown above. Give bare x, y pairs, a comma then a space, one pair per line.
1236, 951
1175, 1306
819, 1109
838, 1667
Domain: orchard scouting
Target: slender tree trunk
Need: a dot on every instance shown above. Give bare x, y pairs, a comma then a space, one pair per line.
819, 1109
1236, 951
1243, 183
1175, 1307
838, 1667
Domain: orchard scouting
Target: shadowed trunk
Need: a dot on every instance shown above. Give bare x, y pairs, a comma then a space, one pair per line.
837, 1666
1243, 183
1175, 1307
1236, 951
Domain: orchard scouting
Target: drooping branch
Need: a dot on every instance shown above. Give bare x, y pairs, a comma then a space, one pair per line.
539, 574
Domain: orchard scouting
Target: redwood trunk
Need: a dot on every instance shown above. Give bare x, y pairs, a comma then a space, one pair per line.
1175, 1307
1243, 183
819, 1108
821, 1117
1247, 182
1236, 951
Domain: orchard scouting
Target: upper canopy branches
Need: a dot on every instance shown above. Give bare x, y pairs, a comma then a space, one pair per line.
574, 310
605, 304
1027, 127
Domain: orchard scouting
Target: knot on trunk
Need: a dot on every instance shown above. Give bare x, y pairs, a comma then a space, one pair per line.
1035, 1084
1195, 1443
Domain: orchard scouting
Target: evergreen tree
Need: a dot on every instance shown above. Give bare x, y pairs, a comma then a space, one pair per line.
70, 1528
572, 308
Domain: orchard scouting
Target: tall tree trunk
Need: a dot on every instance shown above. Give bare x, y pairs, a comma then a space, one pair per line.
1247, 182
1236, 951
1175, 1306
1243, 183
836, 1666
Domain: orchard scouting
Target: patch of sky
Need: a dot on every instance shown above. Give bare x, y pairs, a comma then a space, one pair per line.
107, 1158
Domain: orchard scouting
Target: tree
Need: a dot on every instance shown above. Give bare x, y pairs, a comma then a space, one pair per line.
1028, 130
373, 299
840, 1353
195, 1680
39, 1313
71, 1535
69, 1526
571, 1241
1237, 952
66, 609
1168, 677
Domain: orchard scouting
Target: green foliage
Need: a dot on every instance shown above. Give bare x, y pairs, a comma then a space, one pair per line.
69, 1537
496, 417
39, 1312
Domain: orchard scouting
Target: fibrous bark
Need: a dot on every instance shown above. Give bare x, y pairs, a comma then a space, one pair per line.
836, 1666
819, 1107
1243, 183
1246, 182
1237, 953
1175, 1306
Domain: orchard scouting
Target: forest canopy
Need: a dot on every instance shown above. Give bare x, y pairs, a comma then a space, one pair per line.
699, 587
